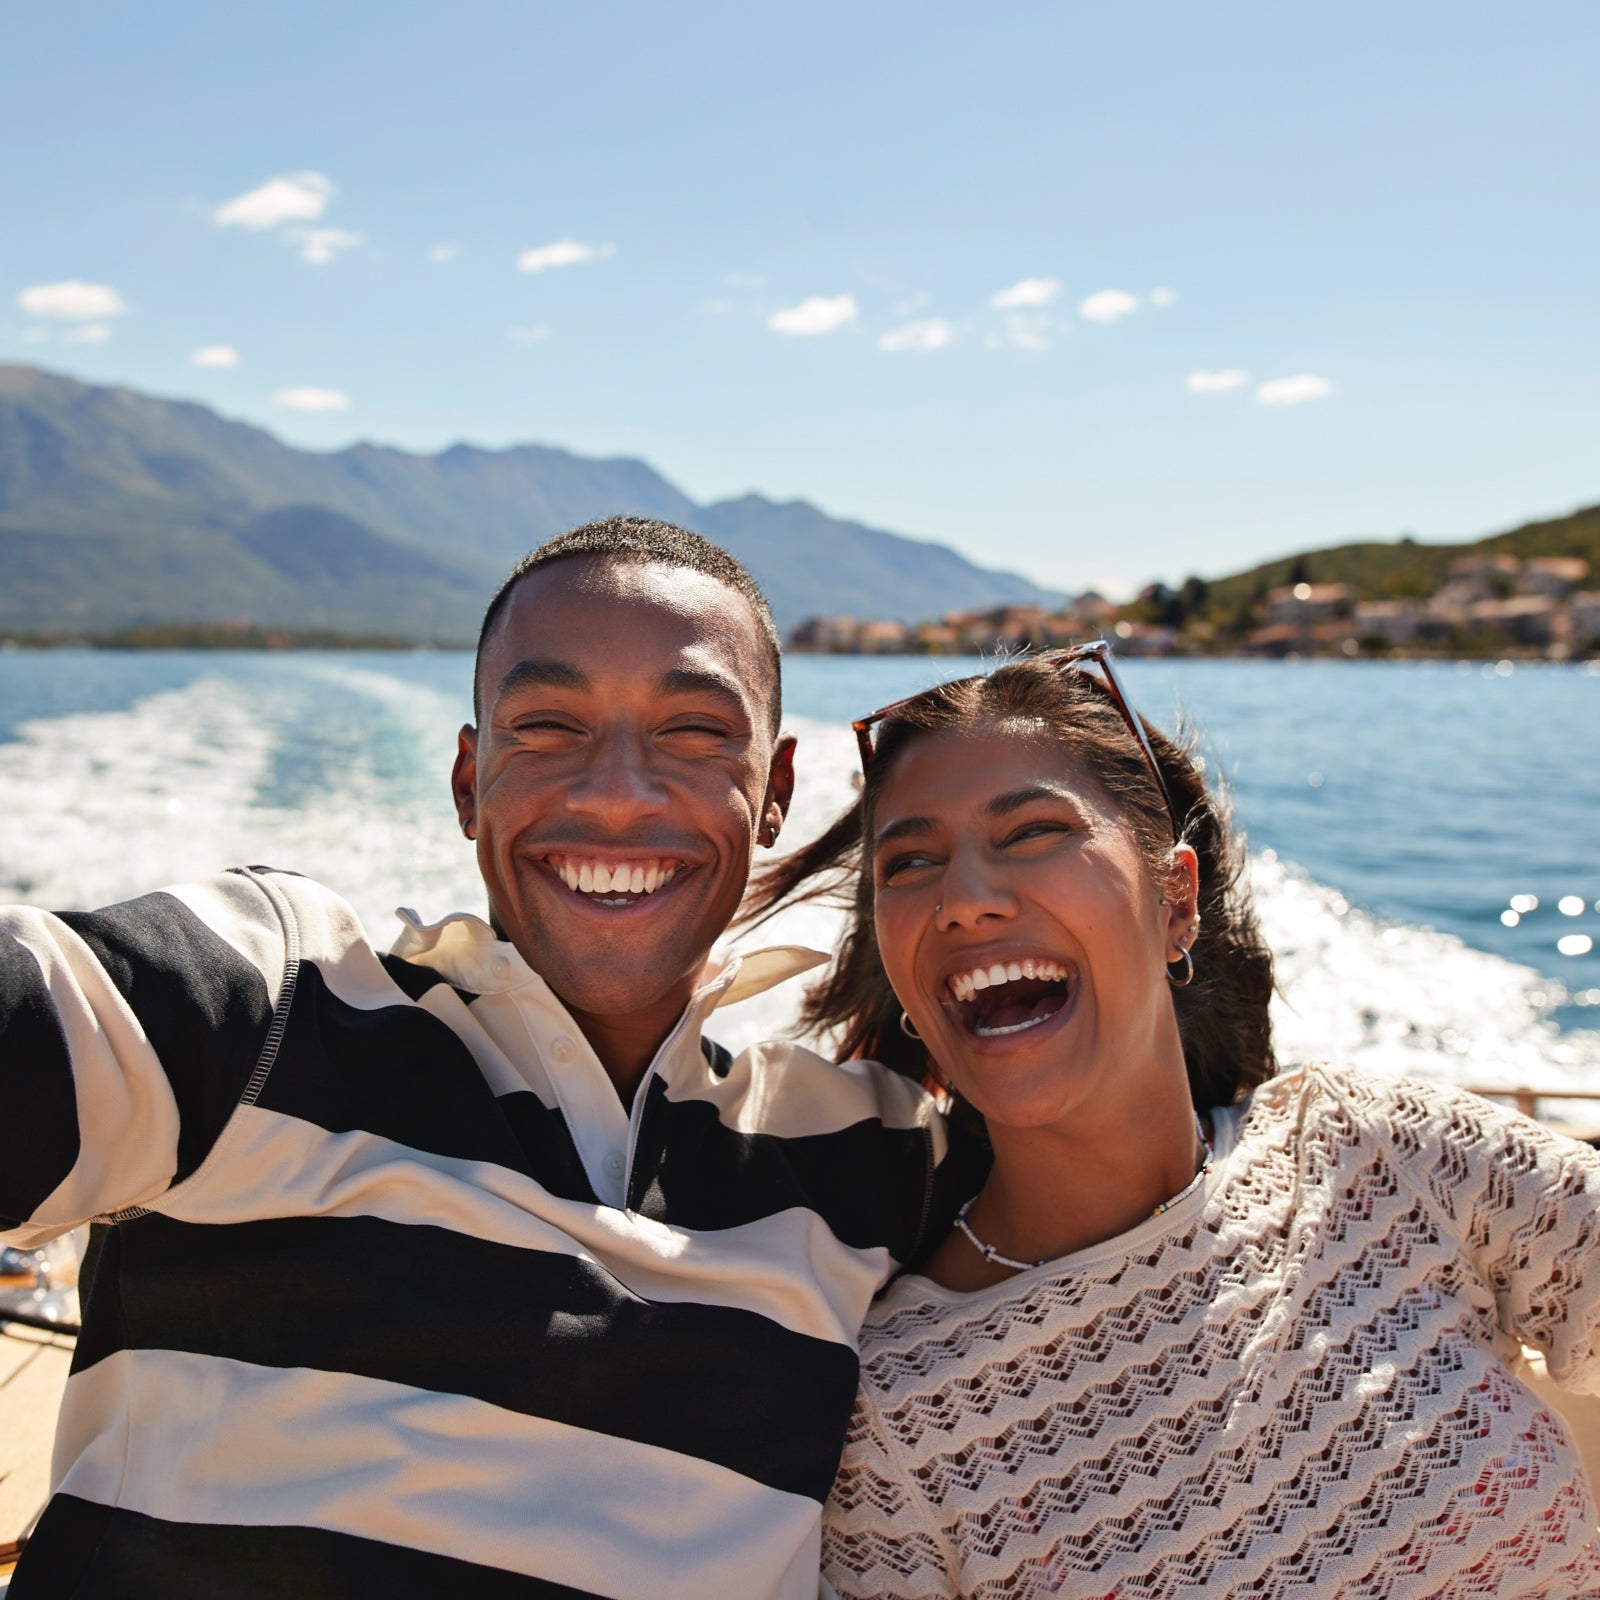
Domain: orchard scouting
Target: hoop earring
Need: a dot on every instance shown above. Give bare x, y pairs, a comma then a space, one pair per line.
909, 1028
1188, 971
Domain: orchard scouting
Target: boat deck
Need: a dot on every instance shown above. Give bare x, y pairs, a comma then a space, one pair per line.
33, 1375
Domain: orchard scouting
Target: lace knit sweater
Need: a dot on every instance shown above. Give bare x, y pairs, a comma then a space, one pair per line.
1298, 1381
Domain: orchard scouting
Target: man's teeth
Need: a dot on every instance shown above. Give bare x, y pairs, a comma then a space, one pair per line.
622, 877
964, 985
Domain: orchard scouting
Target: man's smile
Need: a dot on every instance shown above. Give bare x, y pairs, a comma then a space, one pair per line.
611, 881
592, 874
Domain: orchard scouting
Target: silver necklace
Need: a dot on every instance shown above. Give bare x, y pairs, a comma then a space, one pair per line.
989, 1253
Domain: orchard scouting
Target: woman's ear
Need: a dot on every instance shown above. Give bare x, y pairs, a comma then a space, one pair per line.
1181, 900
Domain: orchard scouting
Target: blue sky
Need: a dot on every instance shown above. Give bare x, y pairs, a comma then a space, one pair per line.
796, 225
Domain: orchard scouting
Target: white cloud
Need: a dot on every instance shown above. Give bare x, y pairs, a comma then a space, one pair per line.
931, 335
1163, 298
309, 399
291, 197
1030, 292
563, 253
73, 300
1027, 331
912, 304
1216, 382
215, 355
320, 245
534, 335
87, 333
1291, 391
743, 280
442, 254
819, 314
1107, 305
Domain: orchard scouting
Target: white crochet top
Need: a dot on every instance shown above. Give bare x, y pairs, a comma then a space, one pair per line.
1295, 1382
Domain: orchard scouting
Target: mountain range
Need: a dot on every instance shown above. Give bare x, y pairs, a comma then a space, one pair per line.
119, 509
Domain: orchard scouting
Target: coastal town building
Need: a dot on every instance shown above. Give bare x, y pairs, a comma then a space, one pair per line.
1304, 604
1488, 604
1583, 622
1557, 576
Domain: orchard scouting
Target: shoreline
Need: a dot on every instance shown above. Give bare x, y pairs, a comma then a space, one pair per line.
264, 641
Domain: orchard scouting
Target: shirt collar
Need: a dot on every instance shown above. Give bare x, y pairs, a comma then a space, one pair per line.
464, 949
545, 1050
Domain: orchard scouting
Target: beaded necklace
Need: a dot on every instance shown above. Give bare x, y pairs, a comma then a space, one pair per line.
989, 1253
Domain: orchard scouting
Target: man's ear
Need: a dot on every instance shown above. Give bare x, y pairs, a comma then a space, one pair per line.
780, 790
464, 780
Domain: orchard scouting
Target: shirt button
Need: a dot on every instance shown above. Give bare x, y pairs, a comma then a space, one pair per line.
614, 1165
564, 1050
500, 967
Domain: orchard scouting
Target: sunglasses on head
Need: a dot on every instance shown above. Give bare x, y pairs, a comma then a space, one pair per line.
1097, 653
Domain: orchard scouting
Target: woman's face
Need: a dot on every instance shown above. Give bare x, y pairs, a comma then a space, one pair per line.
1022, 930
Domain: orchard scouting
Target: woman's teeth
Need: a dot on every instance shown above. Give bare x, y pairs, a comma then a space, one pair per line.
985, 1031
613, 878
966, 985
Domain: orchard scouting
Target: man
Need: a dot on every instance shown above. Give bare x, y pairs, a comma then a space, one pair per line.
469, 1269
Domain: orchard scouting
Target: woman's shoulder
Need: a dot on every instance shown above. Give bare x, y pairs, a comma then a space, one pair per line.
1384, 1100
915, 1325
1432, 1130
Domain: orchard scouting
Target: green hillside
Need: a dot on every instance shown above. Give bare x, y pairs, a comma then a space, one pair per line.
1404, 568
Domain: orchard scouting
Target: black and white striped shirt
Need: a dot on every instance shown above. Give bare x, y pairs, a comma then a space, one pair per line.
396, 1297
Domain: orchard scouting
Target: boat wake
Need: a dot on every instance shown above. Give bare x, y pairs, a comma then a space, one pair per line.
340, 773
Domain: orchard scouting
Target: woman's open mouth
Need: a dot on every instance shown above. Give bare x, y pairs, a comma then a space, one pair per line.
1007, 997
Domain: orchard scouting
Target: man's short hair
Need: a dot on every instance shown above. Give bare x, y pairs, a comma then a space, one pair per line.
642, 540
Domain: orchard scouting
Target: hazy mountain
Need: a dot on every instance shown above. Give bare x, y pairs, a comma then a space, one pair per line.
119, 508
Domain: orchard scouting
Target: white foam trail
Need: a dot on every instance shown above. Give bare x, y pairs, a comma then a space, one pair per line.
102, 806
1401, 999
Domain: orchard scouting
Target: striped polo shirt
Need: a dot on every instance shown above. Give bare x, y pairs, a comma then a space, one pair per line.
394, 1297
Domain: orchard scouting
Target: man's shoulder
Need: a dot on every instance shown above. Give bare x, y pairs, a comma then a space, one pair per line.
783, 1086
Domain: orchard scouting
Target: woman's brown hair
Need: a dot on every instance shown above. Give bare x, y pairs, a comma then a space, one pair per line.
1222, 1014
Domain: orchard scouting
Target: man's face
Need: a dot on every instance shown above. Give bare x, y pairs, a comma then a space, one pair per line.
623, 768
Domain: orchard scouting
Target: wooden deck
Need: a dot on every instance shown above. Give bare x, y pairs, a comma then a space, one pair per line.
33, 1374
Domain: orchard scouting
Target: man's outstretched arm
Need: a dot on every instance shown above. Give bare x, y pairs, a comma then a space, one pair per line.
127, 1037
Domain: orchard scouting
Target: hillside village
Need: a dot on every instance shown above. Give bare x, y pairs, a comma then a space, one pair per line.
1491, 604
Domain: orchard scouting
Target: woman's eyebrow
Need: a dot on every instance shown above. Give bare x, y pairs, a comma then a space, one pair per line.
1015, 799
901, 828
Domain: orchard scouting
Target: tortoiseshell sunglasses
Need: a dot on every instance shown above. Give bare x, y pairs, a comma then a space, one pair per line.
1096, 653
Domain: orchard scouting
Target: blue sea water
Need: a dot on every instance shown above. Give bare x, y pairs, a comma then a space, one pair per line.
1393, 811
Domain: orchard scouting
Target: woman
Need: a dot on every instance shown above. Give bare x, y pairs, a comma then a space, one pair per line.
1202, 1329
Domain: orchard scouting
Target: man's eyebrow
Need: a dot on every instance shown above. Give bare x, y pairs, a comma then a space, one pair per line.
697, 680
532, 673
